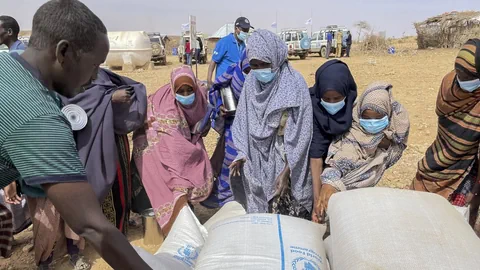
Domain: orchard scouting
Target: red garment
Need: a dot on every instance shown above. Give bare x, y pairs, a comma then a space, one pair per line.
187, 48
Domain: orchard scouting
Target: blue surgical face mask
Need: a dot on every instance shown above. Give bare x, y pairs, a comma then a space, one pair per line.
186, 100
264, 75
469, 86
242, 36
374, 126
333, 108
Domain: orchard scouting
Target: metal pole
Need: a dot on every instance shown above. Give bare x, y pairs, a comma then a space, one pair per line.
276, 22
311, 25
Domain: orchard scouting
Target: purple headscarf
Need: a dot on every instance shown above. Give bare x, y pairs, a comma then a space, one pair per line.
96, 142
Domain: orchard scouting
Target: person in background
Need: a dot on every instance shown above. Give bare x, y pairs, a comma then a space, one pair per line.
332, 96
37, 147
199, 49
222, 122
272, 130
450, 166
329, 44
170, 155
116, 106
228, 50
349, 44
188, 52
339, 40
9, 30
374, 143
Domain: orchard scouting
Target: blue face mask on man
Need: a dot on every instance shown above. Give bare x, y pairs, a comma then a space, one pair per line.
469, 86
185, 100
242, 36
333, 108
374, 126
264, 75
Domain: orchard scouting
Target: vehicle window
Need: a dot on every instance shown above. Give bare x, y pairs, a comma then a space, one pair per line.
288, 37
155, 40
321, 36
315, 36
294, 37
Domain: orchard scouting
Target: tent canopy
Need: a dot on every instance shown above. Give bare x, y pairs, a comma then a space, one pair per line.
223, 31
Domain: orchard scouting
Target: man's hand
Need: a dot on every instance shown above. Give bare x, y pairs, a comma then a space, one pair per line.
11, 195
223, 111
79, 207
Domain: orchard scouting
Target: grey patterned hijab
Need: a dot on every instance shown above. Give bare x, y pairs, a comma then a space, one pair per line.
257, 120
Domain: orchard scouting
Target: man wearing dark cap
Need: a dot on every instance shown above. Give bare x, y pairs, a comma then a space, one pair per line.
229, 49
9, 30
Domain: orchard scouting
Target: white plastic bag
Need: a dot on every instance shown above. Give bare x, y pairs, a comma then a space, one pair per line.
160, 261
464, 211
263, 241
229, 210
185, 240
381, 228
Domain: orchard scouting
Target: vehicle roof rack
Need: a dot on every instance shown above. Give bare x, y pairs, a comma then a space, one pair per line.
294, 29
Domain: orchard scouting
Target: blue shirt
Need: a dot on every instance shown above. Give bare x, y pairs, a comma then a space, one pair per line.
17, 46
329, 37
226, 53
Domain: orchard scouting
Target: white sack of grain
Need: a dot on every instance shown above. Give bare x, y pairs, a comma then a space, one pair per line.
161, 261
185, 240
229, 210
381, 228
263, 241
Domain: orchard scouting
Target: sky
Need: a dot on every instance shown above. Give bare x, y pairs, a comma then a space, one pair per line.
396, 17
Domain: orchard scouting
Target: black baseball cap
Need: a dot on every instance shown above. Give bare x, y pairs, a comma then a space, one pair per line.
243, 23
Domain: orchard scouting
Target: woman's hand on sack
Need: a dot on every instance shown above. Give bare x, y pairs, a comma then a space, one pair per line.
11, 195
322, 205
385, 143
236, 166
122, 96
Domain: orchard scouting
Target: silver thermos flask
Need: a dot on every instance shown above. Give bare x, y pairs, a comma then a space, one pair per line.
228, 99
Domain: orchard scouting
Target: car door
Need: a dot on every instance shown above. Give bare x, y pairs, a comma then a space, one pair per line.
314, 43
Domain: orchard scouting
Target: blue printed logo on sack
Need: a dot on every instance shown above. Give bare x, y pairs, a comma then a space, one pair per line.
187, 254
302, 263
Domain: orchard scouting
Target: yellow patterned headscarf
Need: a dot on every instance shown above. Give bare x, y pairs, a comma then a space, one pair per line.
468, 59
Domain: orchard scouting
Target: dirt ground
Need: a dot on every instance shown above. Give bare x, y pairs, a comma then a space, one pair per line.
415, 76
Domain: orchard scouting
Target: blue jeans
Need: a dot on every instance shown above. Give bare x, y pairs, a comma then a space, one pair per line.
189, 58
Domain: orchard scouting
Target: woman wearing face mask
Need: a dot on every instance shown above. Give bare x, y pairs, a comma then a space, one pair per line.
272, 131
374, 143
170, 154
222, 122
450, 166
332, 98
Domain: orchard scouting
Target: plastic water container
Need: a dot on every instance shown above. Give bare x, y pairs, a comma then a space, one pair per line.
174, 51
131, 48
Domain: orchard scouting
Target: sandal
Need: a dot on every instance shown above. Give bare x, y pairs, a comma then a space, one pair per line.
79, 263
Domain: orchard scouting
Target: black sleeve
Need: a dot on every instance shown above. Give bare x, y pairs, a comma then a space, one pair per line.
320, 142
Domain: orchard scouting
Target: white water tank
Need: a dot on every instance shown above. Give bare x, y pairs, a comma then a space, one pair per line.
129, 49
